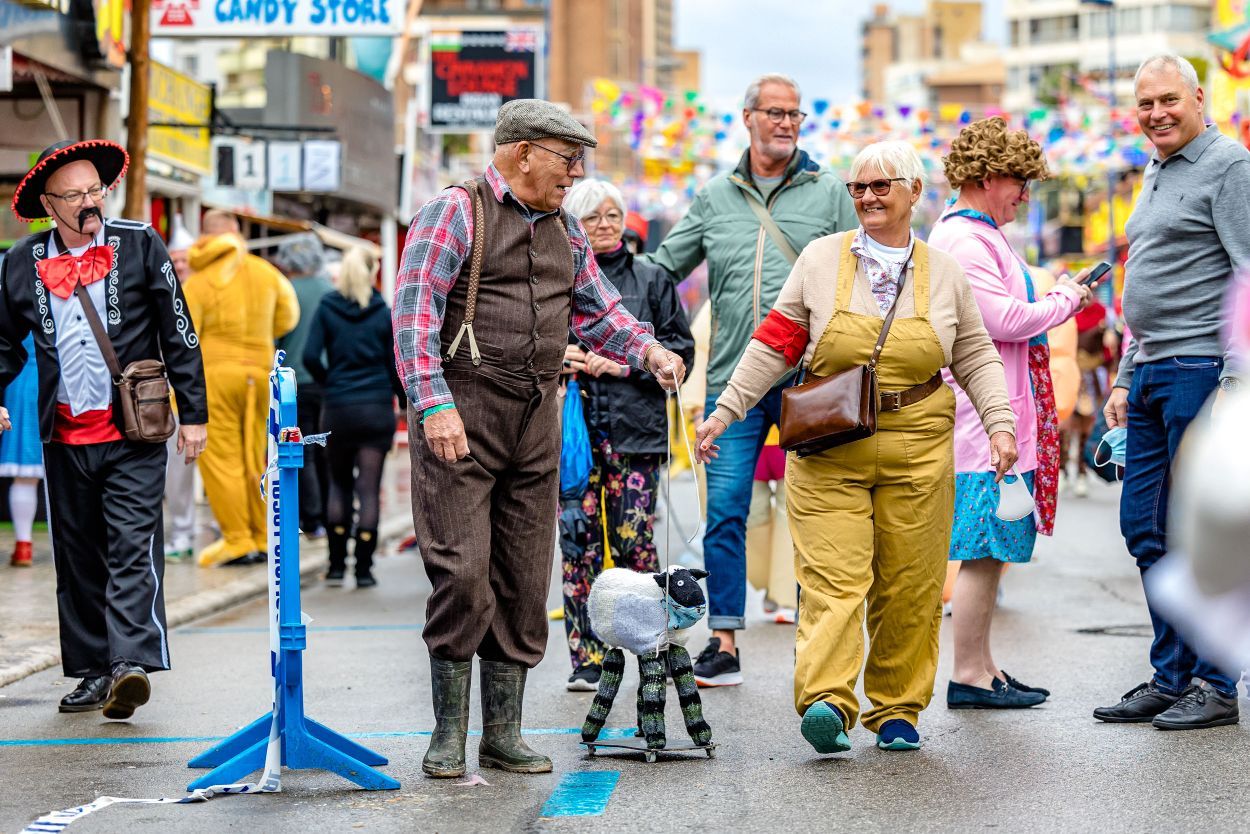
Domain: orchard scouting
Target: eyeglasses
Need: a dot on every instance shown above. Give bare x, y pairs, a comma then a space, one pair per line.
572, 161
74, 198
879, 187
1024, 188
776, 114
611, 218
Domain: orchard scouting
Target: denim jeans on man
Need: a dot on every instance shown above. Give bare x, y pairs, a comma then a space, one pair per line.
1165, 396
729, 480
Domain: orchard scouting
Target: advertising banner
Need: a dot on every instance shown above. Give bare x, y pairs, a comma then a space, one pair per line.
174, 98
472, 73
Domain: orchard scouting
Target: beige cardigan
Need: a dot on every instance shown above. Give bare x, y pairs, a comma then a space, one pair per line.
809, 298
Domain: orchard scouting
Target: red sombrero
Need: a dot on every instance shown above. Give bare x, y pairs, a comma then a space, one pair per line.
109, 158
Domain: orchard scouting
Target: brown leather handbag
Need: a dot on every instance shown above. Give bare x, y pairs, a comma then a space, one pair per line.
823, 412
147, 415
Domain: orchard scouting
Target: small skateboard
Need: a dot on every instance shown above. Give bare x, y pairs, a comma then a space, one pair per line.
639, 745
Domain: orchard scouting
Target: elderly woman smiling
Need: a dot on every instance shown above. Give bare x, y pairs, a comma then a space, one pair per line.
871, 520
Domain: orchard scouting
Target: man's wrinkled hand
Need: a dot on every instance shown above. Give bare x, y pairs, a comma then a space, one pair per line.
444, 433
1116, 409
667, 367
192, 439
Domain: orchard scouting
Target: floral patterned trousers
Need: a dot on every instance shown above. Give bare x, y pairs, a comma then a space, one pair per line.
628, 483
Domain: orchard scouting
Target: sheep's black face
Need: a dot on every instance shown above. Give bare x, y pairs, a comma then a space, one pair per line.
683, 586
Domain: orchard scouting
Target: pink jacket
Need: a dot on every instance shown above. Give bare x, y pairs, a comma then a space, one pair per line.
997, 280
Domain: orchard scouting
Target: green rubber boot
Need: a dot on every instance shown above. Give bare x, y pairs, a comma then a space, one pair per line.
503, 690
449, 681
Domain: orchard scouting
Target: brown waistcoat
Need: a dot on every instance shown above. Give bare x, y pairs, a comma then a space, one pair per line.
524, 296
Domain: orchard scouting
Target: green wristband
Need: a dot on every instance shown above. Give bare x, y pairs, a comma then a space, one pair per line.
434, 409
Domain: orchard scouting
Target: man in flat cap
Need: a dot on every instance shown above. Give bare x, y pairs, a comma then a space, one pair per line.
493, 276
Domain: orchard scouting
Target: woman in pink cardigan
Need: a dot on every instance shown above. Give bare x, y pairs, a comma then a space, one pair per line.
992, 168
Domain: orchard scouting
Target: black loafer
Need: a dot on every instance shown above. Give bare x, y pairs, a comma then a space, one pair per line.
1001, 696
1012, 682
130, 691
89, 695
1138, 706
1199, 707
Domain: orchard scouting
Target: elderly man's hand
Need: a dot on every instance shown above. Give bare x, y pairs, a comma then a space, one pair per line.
5, 423
191, 441
444, 432
1003, 453
667, 367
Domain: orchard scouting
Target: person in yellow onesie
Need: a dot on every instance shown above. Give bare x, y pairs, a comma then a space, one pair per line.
871, 520
239, 304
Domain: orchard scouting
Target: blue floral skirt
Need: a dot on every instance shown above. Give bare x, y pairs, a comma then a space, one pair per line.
978, 533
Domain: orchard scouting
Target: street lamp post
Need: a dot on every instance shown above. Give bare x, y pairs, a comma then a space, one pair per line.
1112, 253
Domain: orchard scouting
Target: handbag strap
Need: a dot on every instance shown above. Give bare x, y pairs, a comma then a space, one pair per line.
889, 317
770, 226
101, 335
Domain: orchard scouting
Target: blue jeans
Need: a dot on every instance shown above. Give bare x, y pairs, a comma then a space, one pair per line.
1165, 397
729, 481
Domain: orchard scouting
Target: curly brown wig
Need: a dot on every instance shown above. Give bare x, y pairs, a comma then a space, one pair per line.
986, 148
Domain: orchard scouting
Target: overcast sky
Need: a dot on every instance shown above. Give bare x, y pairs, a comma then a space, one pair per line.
815, 41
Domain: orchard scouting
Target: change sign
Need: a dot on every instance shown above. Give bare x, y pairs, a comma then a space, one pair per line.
473, 73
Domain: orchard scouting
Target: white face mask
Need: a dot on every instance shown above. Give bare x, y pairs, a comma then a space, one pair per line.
1014, 499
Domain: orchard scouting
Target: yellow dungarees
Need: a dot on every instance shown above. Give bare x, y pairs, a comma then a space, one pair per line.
871, 521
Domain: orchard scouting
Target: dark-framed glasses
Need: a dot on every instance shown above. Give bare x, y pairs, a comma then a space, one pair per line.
74, 198
776, 115
1024, 187
879, 187
572, 161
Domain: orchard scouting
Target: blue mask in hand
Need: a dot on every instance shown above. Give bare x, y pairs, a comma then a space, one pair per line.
1115, 442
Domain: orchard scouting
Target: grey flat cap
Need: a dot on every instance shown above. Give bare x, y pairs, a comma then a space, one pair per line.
527, 119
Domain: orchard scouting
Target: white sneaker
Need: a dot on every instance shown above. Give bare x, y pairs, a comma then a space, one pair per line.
1082, 486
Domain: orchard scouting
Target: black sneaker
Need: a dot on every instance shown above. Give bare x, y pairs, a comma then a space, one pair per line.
1138, 706
585, 679
364, 579
1199, 707
716, 668
334, 577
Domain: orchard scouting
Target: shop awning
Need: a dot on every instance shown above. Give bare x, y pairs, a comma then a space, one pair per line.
292, 228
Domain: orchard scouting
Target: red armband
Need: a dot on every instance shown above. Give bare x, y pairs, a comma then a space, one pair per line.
784, 336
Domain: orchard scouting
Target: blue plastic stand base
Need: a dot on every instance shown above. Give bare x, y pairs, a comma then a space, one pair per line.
306, 744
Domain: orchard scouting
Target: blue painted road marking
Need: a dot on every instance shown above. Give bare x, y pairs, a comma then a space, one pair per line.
582, 794
608, 733
265, 629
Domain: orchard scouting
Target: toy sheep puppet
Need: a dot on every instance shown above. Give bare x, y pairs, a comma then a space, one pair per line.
631, 610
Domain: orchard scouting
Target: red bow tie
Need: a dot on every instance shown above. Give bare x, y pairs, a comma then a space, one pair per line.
62, 273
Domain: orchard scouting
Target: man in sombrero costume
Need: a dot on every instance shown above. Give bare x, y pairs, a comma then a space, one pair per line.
104, 491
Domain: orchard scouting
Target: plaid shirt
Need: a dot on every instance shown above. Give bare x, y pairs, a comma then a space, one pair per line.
439, 240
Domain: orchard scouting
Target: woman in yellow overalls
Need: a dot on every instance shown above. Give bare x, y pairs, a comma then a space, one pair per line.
871, 520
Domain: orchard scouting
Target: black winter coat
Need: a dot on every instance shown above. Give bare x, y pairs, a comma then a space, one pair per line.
631, 411
359, 363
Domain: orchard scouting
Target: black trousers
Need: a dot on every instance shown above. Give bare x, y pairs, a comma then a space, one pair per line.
315, 476
104, 503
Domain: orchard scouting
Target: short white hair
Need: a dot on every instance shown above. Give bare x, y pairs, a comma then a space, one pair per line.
1176, 62
585, 196
752, 96
894, 158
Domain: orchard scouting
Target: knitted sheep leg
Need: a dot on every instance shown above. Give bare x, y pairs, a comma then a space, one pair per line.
688, 695
503, 691
450, 681
653, 693
609, 686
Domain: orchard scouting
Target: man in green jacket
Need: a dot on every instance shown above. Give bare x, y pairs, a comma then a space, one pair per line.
749, 225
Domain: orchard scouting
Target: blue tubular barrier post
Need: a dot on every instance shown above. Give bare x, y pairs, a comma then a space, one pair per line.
305, 743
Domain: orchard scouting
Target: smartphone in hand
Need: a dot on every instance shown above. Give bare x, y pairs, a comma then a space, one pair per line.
1096, 273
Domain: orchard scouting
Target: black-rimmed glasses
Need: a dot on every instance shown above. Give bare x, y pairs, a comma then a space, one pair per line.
776, 114
879, 187
74, 198
572, 161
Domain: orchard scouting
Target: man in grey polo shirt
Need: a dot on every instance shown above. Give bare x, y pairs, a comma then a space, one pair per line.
1188, 233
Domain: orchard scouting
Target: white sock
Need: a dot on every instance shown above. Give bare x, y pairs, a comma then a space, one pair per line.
23, 503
